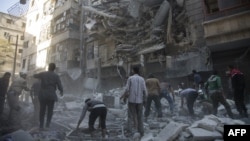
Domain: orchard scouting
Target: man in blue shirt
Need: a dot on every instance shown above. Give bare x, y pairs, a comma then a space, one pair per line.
190, 95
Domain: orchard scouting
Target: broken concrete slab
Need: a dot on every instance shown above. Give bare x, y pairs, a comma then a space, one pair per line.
19, 135
210, 123
170, 132
200, 134
207, 124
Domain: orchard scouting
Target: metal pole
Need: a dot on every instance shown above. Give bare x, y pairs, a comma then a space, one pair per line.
14, 65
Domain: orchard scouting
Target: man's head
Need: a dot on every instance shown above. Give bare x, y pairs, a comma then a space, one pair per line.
215, 72
151, 75
52, 66
7, 75
87, 100
230, 67
136, 70
181, 85
194, 71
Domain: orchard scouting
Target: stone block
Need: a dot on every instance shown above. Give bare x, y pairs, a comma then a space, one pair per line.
200, 134
207, 124
18, 135
170, 132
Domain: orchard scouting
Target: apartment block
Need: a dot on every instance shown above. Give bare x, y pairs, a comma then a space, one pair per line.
52, 35
11, 41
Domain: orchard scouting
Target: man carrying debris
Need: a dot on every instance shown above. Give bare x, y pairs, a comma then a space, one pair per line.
50, 81
190, 95
215, 92
96, 109
137, 93
153, 88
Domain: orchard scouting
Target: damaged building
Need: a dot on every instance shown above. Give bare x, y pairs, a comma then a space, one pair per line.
163, 37
169, 38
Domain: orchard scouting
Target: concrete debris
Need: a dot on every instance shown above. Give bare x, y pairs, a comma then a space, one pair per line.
170, 132
200, 134
176, 126
134, 25
19, 135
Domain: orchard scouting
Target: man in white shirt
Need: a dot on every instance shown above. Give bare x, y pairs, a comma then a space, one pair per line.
137, 92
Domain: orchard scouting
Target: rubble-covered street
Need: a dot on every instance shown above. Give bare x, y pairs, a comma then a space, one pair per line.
178, 126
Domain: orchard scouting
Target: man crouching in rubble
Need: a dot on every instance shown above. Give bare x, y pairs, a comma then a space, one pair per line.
96, 109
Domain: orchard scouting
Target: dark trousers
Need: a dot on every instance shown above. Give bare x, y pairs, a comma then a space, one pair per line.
2, 101
166, 95
100, 112
217, 98
135, 114
239, 101
49, 106
157, 102
191, 97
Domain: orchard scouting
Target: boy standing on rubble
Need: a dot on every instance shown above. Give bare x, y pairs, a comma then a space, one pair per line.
96, 109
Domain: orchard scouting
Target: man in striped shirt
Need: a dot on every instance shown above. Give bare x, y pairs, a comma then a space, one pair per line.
96, 109
137, 92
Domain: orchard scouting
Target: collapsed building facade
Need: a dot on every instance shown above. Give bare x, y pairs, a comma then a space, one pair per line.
100, 40
163, 37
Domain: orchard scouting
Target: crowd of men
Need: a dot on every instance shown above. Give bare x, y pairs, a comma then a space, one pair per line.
139, 94
42, 92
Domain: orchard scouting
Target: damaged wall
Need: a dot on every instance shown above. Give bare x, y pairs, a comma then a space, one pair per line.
123, 31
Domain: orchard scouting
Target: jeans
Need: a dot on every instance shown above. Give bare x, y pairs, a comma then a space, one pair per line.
166, 95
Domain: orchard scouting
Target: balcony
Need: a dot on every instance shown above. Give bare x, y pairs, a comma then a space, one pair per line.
228, 25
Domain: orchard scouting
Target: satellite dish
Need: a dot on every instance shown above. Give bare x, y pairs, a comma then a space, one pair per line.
23, 1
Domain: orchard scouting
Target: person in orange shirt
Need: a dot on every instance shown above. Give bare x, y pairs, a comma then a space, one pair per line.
153, 88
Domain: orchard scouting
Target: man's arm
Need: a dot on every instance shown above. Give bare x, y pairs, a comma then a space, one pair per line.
84, 110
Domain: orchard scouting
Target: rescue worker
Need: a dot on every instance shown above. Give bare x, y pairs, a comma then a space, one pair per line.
96, 109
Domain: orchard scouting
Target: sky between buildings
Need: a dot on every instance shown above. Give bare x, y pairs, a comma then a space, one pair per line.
6, 4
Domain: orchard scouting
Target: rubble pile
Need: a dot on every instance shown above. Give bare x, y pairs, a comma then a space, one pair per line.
178, 126
136, 26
